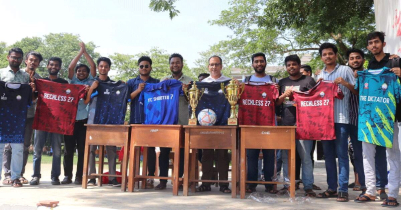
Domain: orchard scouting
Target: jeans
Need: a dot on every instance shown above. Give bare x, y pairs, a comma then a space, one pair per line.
304, 148
394, 161
358, 158
16, 159
39, 143
338, 147
252, 162
1, 156
76, 140
8, 150
279, 162
111, 159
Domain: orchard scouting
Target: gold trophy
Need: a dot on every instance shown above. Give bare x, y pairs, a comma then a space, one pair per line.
193, 95
233, 92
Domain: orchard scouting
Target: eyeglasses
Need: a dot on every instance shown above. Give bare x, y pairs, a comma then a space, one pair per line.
214, 64
142, 66
16, 58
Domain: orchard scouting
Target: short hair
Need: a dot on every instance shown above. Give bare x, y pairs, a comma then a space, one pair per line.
55, 59
16, 50
215, 56
376, 34
107, 60
145, 58
36, 54
292, 58
353, 50
175, 55
257, 55
306, 68
327, 46
203, 75
82, 65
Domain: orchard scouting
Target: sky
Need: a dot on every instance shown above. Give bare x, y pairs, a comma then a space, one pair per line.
122, 26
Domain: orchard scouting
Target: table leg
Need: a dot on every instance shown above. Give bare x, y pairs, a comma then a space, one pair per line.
86, 161
186, 164
101, 161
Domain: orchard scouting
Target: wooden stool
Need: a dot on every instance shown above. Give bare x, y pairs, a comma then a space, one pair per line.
209, 137
267, 137
106, 135
154, 136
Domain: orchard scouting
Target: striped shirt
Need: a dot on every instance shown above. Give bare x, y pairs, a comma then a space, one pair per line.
341, 107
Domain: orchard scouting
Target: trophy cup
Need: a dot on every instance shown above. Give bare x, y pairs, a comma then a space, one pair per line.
232, 92
193, 95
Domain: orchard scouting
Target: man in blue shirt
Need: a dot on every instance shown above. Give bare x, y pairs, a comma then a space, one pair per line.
82, 76
135, 87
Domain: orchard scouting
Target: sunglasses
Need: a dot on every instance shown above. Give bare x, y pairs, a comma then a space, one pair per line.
142, 66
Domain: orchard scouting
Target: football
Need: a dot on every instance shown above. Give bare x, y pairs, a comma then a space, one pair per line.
207, 117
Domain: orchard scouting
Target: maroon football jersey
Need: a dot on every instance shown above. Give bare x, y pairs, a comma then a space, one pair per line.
57, 106
257, 104
315, 111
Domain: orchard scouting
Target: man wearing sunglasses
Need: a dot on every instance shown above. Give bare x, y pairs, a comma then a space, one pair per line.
135, 87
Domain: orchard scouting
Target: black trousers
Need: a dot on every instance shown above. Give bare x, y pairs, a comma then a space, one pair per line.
77, 140
164, 158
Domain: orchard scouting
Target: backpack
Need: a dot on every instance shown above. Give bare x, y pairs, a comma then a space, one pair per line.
273, 79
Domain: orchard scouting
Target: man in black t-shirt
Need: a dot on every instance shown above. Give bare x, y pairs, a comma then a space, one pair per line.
53, 66
296, 82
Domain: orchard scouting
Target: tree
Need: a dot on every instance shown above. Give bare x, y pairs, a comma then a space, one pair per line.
164, 6
3, 55
127, 65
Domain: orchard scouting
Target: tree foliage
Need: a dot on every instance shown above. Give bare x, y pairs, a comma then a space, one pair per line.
164, 6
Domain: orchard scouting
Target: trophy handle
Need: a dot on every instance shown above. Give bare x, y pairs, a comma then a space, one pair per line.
223, 89
201, 93
242, 89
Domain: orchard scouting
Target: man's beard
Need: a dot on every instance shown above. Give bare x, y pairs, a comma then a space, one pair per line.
53, 73
259, 71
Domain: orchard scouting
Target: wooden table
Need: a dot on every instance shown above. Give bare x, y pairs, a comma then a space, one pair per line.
267, 137
154, 136
106, 135
209, 137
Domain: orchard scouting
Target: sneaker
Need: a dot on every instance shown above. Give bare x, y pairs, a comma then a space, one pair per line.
34, 181
78, 181
92, 182
55, 181
149, 184
114, 183
66, 180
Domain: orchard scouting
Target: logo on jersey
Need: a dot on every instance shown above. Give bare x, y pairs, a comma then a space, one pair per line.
68, 91
118, 92
107, 92
206, 91
18, 97
321, 94
264, 95
384, 86
366, 85
3, 97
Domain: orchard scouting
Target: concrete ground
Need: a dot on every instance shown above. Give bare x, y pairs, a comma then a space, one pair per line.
108, 197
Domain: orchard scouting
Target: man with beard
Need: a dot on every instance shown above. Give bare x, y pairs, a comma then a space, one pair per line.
343, 76
176, 64
137, 116
13, 160
306, 70
32, 61
53, 67
296, 82
259, 65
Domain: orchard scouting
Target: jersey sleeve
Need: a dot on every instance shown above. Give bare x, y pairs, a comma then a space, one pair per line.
338, 93
275, 92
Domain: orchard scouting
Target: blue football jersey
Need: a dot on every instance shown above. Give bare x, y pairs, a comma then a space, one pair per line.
14, 102
213, 98
111, 103
379, 92
160, 101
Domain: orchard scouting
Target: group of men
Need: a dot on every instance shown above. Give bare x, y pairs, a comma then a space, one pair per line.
370, 162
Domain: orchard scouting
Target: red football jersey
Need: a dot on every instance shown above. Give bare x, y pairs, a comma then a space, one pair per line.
57, 106
257, 104
315, 111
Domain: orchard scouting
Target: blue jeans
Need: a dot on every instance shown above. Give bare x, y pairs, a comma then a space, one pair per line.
279, 161
358, 158
338, 147
16, 159
381, 168
304, 148
39, 143
252, 162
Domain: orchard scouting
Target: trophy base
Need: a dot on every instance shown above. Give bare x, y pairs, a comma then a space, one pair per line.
192, 122
232, 121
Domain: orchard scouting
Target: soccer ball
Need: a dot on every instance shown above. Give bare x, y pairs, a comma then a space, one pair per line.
207, 117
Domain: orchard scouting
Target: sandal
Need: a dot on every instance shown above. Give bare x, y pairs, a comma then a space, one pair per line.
363, 198
17, 183
23, 180
382, 194
203, 188
390, 203
327, 194
352, 185
357, 188
310, 193
314, 187
342, 197
160, 186
7, 181
250, 189
225, 189
283, 191
271, 190
297, 185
